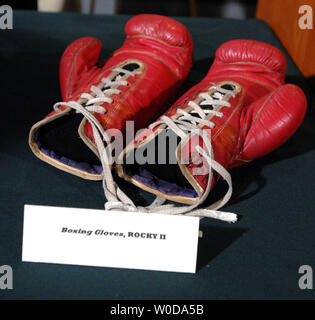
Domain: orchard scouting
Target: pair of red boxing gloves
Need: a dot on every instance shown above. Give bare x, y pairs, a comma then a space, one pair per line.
240, 111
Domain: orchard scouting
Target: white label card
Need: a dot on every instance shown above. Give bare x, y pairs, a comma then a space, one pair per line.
110, 239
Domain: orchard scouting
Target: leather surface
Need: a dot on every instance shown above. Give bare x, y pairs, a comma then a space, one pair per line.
162, 44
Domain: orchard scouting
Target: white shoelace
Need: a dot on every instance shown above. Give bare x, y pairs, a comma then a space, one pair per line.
98, 96
117, 199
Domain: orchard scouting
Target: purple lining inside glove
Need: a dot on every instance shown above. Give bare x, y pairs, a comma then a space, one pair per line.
93, 169
169, 188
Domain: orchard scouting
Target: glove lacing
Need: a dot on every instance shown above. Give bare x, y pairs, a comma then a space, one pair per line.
99, 96
116, 198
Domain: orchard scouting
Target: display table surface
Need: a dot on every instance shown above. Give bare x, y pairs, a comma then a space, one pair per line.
256, 258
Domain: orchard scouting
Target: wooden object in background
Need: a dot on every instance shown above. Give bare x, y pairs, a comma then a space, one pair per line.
283, 17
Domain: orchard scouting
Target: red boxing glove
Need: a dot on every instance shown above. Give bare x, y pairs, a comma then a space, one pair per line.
240, 111
134, 83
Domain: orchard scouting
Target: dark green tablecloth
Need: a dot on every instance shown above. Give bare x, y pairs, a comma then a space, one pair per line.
258, 257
